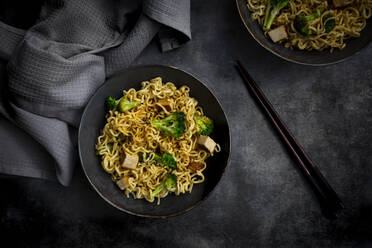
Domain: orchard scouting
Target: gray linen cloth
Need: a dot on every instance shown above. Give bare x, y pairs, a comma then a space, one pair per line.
56, 66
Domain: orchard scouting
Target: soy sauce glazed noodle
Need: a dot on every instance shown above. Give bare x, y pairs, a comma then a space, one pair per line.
350, 21
131, 133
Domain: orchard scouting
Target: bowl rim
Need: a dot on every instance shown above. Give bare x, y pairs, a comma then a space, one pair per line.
129, 211
289, 59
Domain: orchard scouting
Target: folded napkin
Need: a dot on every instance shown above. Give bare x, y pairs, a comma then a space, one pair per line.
56, 66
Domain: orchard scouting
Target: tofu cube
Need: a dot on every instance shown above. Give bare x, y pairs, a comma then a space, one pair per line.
278, 34
130, 161
339, 3
207, 143
122, 183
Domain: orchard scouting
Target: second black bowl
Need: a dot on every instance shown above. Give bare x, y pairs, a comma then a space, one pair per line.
314, 58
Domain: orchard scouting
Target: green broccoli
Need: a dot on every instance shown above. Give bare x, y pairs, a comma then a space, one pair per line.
301, 23
272, 10
122, 104
169, 183
205, 125
329, 23
166, 159
111, 103
173, 124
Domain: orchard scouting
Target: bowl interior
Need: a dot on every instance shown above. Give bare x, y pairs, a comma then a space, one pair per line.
299, 56
93, 121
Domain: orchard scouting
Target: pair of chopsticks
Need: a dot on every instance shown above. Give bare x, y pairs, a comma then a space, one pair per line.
329, 201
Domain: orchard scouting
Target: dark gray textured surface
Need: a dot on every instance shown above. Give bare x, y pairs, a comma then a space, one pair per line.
262, 200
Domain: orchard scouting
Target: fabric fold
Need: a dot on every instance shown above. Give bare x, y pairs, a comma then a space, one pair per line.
10, 37
57, 65
122, 56
175, 15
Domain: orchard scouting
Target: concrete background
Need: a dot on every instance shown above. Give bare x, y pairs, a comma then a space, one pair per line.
262, 200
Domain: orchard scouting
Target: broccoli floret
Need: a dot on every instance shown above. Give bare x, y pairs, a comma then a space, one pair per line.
173, 124
111, 103
205, 125
169, 183
125, 105
122, 104
329, 23
301, 23
166, 159
272, 10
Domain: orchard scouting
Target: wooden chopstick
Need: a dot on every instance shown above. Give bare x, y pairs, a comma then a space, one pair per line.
329, 200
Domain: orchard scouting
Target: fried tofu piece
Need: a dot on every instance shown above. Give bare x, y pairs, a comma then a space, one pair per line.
339, 3
165, 103
278, 34
207, 143
195, 166
130, 161
123, 183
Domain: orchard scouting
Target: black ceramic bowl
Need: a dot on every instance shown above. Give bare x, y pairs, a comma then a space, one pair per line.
93, 120
314, 58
